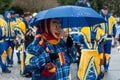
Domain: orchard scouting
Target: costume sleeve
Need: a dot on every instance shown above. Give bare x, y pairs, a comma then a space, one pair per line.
102, 39
81, 38
114, 30
102, 36
40, 57
75, 38
38, 61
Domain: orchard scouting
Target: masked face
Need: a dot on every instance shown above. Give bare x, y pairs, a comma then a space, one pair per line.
55, 28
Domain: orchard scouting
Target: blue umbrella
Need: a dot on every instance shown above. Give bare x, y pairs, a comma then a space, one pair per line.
71, 16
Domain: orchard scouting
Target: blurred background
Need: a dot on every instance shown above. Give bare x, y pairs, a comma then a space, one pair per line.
20, 6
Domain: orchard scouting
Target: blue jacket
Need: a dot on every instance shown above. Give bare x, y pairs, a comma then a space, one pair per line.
39, 57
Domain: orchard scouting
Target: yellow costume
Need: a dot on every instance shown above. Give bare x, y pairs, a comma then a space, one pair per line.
3, 45
89, 68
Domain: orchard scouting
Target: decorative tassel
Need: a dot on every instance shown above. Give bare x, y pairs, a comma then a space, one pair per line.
61, 57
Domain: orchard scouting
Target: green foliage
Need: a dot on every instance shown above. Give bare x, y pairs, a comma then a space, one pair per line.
96, 4
116, 8
18, 9
113, 5
67, 2
5, 5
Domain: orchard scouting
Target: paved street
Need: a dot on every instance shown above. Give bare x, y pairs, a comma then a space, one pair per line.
113, 73
114, 70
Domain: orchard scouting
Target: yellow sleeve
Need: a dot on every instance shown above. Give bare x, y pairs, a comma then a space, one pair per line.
18, 20
28, 57
4, 26
86, 31
99, 34
22, 26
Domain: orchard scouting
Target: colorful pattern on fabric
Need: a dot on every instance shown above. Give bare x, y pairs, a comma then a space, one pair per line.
42, 57
61, 57
60, 54
89, 68
91, 38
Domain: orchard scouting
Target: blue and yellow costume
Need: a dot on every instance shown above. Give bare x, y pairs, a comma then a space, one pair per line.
3, 45
10, 38
20, 31
110, 30
38, 55
89, 67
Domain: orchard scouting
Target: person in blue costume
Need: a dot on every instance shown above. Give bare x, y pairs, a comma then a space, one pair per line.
89, 66
110, 30
24, 37
13, 16
3, 46
10, 38
48, 56
29, 36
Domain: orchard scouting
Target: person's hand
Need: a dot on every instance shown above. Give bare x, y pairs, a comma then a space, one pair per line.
49, 70
69, 42
50, 67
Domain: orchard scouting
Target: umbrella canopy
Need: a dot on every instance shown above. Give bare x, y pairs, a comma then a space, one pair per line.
71, 16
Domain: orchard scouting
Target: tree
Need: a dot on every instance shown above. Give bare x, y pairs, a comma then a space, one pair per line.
116, 9
113, 5
21, 6
35, 5
18, 10
5, 5
67, 2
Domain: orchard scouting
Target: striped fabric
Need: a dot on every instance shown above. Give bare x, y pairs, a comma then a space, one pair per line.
61, 57
41, 57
